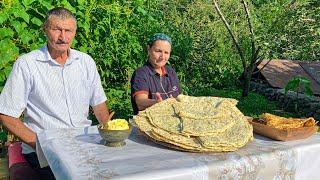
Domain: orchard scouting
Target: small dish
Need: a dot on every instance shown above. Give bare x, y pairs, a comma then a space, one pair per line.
114, 138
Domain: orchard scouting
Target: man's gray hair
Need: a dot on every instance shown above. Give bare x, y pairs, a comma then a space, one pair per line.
61, 13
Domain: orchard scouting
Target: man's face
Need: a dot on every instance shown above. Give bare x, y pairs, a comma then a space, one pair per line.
60, 33
159, 53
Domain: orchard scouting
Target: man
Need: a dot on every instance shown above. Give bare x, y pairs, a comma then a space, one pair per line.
53, 86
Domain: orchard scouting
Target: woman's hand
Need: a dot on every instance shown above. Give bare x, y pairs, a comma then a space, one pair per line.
158, 97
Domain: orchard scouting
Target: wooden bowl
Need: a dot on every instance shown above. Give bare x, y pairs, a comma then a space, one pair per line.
282, 134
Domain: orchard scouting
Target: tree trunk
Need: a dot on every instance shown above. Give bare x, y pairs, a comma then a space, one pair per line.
246, 83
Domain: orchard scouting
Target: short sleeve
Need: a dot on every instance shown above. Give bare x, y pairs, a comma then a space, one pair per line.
14, 96
139, 82
98, 95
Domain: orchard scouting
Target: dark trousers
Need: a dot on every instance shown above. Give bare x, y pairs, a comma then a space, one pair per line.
44, 173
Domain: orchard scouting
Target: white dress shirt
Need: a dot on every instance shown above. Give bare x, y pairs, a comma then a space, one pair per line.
50, 95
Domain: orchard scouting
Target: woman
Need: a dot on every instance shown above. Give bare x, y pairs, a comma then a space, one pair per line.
154, 81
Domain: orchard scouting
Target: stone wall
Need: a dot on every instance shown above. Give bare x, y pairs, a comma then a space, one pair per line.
307, 106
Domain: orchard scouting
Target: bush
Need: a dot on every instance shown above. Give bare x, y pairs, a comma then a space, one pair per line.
295, 32
114, 33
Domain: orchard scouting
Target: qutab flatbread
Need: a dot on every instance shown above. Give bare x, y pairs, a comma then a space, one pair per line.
287, 123
196, 124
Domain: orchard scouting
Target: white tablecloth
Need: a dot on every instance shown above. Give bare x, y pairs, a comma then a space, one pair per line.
80, 154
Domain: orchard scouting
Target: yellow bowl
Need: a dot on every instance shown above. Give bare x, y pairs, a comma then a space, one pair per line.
114, 138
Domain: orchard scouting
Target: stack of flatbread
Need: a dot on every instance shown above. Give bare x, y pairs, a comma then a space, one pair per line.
196, 124
287, 123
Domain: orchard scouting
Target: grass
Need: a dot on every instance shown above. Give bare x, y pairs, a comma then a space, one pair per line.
253, 105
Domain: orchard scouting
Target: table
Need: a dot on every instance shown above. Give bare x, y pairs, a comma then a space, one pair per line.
80, 154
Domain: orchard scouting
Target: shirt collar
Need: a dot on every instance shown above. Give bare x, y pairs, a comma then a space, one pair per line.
152, 72
45, 56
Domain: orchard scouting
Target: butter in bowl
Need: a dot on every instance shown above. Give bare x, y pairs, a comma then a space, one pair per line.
115, 132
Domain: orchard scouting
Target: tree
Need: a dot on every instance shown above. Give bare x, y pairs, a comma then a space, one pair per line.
251, 62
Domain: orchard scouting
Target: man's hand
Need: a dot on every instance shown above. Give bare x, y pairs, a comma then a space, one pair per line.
17, 128
101, 112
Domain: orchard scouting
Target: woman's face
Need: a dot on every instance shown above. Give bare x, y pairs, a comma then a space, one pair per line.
159, 53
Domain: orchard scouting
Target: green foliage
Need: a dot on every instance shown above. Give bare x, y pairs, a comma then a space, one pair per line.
3, 136
20, 24
291, 31
253, 105
114, 33
116, 50
201, 52
296, 83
